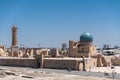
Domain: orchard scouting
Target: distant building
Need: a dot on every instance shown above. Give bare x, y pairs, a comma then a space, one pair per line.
64, 46
106, 46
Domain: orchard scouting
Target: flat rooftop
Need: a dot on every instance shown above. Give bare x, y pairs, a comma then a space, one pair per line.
14, 58
66, 58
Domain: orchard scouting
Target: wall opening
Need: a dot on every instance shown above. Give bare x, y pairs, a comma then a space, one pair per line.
38, 64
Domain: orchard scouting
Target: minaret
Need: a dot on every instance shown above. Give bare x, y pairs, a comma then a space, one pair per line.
14, 46
14, 36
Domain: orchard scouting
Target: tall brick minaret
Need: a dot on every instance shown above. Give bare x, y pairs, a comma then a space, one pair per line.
14, 46
14, 36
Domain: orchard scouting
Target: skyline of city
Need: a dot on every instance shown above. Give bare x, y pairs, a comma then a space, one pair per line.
51, 23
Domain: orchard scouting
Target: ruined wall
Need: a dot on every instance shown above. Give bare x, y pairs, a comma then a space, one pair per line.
115, 62
89, 63
60, 64
18, 62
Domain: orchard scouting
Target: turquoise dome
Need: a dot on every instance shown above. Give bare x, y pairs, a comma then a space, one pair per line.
86, 37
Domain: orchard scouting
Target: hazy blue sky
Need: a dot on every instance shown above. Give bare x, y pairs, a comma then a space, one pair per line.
52, 22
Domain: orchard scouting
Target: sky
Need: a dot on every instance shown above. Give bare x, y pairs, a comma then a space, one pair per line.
49, 23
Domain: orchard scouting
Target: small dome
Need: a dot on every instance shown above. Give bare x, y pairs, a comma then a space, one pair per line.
86, 37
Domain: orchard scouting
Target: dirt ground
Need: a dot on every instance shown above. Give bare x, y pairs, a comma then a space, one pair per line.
25, 74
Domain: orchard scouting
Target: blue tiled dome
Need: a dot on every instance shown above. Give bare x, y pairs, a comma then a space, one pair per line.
86, 37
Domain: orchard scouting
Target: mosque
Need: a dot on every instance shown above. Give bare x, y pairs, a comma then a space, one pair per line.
82, 55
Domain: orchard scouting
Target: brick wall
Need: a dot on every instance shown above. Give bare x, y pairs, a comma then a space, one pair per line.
18, 62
